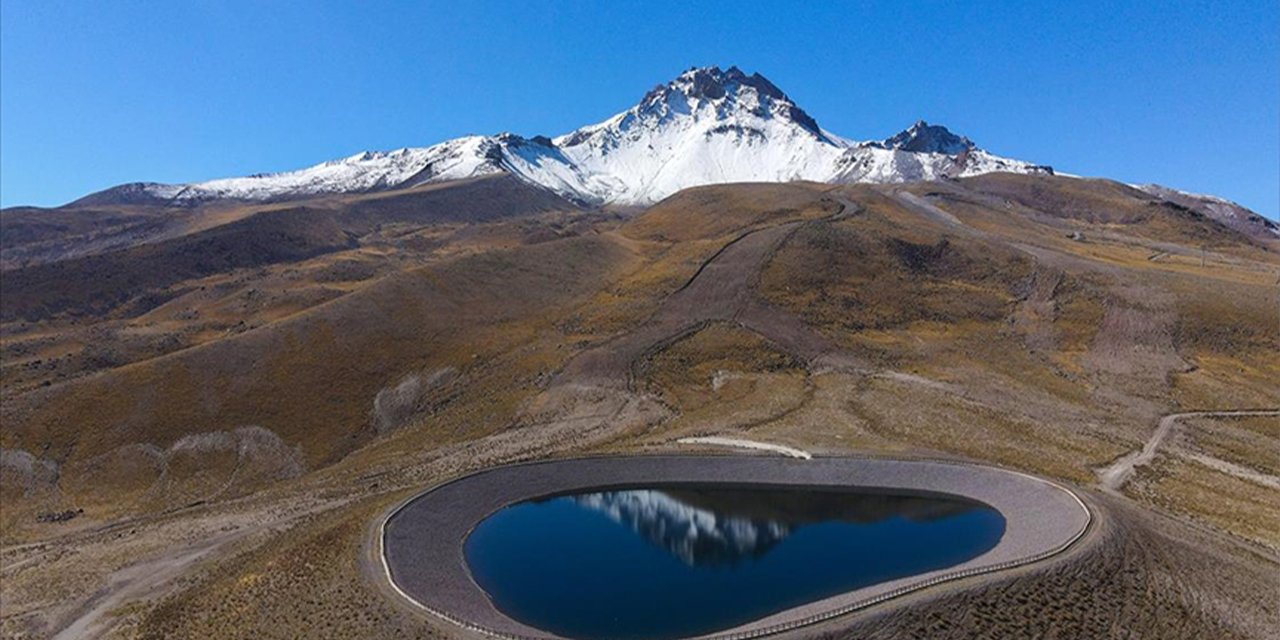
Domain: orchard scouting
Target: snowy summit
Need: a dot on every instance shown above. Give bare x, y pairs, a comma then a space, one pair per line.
707, 126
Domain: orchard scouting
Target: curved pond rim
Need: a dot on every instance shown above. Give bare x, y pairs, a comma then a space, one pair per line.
1043, 519
678, 560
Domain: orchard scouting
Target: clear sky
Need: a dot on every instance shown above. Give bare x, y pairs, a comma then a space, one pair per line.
93, 94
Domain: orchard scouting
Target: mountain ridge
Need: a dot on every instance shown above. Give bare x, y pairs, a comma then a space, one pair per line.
1229, 213
707, 126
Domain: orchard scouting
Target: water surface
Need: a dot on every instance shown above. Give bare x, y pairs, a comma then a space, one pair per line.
668, 562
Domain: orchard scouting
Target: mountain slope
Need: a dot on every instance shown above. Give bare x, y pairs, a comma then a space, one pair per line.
1015, 320
1220, 209
707, 126
369, 171
97, 273
96, 284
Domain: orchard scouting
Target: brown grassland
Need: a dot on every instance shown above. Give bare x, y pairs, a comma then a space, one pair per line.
226, 401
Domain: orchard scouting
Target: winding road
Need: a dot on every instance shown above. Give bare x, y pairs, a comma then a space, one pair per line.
722, 289
1114, 476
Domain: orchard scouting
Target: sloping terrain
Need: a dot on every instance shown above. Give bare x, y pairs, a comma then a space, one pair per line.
34, 235
98, 284
243, 423
144, 274
1220, 209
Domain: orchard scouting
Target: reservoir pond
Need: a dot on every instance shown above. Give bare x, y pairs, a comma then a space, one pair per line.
686, 560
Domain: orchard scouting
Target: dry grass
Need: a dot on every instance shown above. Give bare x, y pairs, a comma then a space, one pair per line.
723, 377
998, 340
1252, 442
869, 273
1188, 488
314, 567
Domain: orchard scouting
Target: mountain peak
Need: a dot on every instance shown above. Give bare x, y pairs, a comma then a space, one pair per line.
729, 91
712, 83
923, 137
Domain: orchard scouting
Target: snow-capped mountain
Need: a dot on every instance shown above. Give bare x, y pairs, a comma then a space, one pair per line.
707, 126
466, 157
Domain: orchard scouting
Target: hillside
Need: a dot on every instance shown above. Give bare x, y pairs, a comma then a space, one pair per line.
283, 372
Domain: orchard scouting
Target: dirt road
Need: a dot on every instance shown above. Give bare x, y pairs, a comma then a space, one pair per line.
721, 290
1114, 476
149, 578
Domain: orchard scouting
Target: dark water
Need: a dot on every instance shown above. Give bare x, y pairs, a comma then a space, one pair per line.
680, 561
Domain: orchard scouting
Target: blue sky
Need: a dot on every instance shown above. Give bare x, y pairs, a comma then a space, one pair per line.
95, 94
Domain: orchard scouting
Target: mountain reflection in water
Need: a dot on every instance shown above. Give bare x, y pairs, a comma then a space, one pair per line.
709, 527
678, 560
